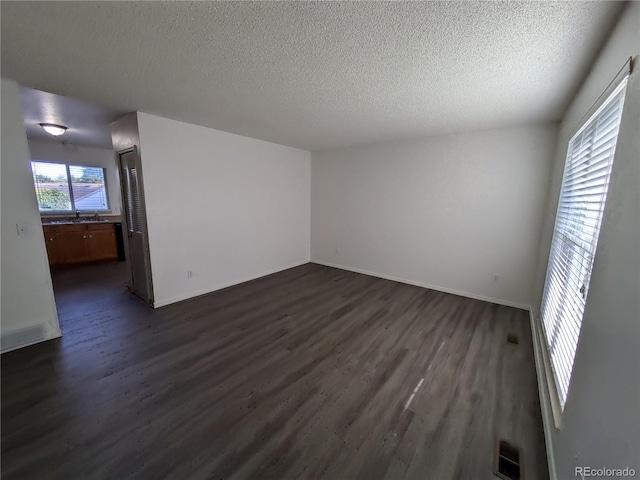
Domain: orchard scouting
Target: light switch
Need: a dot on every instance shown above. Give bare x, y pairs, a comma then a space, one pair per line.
22, 228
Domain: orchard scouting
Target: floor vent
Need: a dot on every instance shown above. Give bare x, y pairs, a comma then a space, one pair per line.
507, 461
512, 338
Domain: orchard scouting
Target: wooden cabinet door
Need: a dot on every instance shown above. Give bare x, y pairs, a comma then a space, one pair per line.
73, 245
102, 242
50, 241
68, 244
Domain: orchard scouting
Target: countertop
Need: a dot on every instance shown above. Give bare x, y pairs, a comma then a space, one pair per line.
78, 222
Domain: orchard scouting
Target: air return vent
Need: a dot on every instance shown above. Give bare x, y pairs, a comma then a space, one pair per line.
22, 337
507, 461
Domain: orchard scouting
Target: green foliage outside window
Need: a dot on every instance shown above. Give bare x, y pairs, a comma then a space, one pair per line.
51, 199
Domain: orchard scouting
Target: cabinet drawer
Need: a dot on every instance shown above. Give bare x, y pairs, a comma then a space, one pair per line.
69, 228
96, 227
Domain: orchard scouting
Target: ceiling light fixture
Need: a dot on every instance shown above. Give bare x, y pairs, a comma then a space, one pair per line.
53, 129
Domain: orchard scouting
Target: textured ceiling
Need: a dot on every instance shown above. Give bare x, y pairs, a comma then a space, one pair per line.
312, 75
88, 124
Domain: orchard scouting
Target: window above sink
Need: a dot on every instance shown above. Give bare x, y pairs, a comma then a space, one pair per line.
63, 188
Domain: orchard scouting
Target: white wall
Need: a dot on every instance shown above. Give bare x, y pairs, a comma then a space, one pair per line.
226, 207
27, 291
601, 417
447, 212
124, 133
56, 151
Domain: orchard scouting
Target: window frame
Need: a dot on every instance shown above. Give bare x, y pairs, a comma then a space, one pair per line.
58, 213
558, 403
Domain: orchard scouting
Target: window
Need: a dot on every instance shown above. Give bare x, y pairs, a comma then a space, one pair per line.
62, 188
582, 197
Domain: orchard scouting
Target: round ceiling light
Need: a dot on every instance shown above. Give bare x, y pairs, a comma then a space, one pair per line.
53, 129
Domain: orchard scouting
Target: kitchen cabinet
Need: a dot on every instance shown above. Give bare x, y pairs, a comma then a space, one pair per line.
80, 243
72, 245
51, 244
102, 242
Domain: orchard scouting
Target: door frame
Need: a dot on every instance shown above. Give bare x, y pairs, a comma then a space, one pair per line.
125, 221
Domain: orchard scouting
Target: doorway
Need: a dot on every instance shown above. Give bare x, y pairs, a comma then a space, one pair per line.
91, 206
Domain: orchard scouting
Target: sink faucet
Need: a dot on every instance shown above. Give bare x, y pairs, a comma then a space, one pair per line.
77, 214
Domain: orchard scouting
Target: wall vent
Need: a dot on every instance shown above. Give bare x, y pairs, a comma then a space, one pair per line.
22, 337
507, 461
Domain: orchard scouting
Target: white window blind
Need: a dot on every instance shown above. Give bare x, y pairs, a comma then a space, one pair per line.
582, 197
52, 186
89, 188
62, 188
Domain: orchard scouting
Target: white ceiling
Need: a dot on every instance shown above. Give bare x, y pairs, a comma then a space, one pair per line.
88, 124
312, 75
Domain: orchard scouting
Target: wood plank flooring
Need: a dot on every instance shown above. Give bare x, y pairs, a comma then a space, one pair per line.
302, 374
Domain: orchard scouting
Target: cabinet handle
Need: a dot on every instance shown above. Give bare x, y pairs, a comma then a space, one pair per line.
84, 236
51, 239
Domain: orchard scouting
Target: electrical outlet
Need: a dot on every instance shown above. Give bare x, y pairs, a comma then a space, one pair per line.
496, 277
337, 251
189, 274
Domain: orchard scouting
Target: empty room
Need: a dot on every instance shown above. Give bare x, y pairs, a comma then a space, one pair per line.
320, 240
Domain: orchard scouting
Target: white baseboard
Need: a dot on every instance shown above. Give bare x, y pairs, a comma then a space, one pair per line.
186, 296
27, 336
425, 285
548, 421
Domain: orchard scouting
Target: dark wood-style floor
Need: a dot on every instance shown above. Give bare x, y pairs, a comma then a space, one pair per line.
302, 374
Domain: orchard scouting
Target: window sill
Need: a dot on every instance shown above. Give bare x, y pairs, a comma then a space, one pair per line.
549, 398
